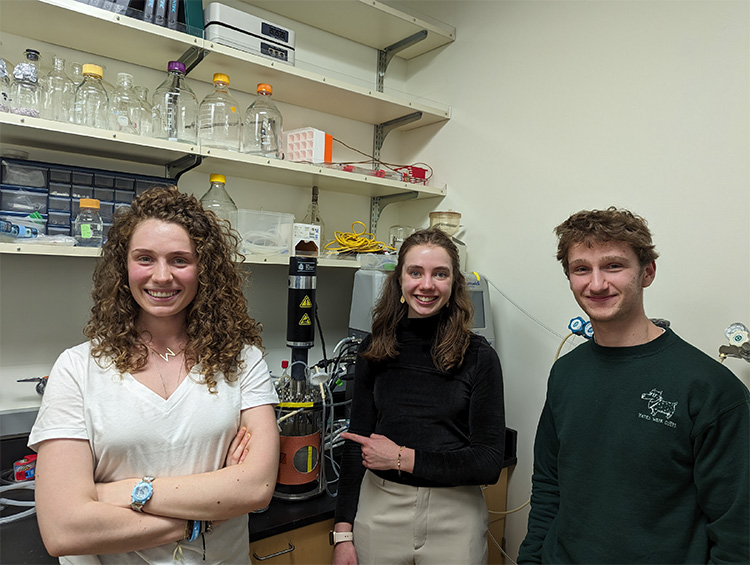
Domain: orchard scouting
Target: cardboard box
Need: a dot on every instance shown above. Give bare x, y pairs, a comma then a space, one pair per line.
306, 240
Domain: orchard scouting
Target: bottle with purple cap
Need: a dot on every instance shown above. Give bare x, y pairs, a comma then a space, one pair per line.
175, 107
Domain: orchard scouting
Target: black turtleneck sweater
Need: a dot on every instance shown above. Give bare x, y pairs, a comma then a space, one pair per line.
455, 420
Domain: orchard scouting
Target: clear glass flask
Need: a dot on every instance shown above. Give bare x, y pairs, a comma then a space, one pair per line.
58, 93
174, 114
220, 117
126, 110
217, 200
5, 82
262, 128
26, 91
313, 215
91, 106
76, 75
144, 111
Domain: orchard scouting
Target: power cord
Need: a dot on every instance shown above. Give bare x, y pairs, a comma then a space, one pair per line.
357, 242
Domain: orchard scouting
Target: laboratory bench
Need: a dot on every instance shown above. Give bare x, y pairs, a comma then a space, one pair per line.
287, 532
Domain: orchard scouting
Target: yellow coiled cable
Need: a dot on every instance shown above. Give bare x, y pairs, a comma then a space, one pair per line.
353, 242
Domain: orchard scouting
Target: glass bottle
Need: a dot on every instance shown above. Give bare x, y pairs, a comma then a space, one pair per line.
144, 111
58, 93
91, 100
25, 91
217, 200
313, 215
220, 117
262, 129
174, 113
4, 86
88, 227
76, 75
126, 109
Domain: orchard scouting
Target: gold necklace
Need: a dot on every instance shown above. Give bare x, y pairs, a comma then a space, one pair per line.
179, 371
166, 355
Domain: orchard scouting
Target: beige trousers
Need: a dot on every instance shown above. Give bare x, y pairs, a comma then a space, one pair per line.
400, 524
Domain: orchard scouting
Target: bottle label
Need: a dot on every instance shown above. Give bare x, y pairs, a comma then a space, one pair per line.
86, 231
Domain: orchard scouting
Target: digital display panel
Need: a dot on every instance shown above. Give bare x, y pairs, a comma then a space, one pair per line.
275, 32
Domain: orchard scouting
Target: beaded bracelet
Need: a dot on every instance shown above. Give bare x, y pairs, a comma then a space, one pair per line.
398, 461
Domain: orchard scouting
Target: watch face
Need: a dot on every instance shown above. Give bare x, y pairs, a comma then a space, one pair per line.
142, 491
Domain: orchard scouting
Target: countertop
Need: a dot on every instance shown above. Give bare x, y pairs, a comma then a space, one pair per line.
283, 515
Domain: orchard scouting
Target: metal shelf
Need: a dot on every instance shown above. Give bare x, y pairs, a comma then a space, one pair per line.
369, 22
111, 35
41, 133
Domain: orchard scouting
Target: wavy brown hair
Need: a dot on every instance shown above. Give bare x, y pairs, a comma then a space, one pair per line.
217, 323
454, 329
600, 226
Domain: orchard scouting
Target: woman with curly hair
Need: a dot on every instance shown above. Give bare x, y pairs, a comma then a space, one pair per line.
427, 425
157, 436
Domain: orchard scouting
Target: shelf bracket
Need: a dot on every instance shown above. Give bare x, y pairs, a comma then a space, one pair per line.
176, 169
382, 130
192, 57
377, 203
385, 55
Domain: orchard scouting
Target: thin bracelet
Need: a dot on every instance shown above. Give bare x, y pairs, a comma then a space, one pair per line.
398, 461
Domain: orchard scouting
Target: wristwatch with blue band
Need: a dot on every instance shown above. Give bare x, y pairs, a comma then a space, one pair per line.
141, 494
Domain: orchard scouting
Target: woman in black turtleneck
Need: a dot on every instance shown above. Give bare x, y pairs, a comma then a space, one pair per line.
427, 424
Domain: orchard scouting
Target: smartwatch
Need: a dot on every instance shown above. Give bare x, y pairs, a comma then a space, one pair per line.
141, 494
338, 537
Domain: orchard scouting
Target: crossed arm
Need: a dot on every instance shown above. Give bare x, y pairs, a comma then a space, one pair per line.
79, 517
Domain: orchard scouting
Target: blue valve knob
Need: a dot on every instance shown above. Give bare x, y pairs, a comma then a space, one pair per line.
588, 330
576, 325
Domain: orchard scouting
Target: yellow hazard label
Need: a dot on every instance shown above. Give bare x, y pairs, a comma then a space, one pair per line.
306, 303
305, 321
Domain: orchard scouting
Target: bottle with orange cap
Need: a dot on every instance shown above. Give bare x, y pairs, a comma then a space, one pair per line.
88, 228
220, 117
262, 129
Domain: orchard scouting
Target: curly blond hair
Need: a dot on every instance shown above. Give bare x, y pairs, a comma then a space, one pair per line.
217, 323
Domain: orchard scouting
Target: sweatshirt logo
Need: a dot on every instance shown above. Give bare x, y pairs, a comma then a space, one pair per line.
658, 407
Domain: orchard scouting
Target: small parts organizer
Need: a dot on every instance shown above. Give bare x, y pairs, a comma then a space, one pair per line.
51, 192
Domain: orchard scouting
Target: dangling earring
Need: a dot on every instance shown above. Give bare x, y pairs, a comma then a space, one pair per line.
402, 299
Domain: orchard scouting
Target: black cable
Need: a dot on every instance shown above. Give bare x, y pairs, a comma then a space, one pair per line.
322, 340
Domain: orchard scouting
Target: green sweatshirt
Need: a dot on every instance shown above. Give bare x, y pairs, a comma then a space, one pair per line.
642, 455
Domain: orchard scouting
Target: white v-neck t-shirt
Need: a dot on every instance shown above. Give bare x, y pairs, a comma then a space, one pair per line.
134, 432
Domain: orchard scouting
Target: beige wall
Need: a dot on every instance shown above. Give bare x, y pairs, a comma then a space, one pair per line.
557, 106
565, 105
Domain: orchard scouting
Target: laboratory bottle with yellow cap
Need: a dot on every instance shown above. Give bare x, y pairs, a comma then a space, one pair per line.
91, 105
262, 130
217, 200
220, 117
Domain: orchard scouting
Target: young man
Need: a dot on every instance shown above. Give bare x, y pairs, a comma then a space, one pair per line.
643, 447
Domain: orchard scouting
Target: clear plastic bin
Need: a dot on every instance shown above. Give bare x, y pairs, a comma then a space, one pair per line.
265, 233
25, 201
